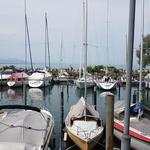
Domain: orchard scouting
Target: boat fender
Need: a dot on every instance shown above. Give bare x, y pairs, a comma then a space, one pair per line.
65, 136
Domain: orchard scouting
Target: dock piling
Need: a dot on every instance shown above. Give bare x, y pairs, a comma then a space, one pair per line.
109, 121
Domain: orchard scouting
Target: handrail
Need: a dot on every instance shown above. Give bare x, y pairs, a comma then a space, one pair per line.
26, 107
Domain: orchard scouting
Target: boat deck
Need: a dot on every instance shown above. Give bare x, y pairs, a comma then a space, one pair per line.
142, 125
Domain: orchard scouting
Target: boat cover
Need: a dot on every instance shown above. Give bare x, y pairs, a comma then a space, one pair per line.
25, 128
18, 75
77, 111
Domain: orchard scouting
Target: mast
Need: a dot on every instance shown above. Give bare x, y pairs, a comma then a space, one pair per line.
61, 47
28, 38
107, 47
85, 22
47, 42
125, 145
25, 37
141, 57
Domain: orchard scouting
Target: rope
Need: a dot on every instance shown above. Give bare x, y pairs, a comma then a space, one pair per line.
13, 126
70, 147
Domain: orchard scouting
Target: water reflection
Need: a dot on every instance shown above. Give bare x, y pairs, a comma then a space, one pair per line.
59, 106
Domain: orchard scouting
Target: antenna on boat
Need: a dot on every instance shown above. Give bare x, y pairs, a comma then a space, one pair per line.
141, 58
28, 38
47, 42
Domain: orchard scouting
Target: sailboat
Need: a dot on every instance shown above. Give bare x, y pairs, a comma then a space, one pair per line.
139, 127
90, 83
83, 123
81, 80
25, 127
17, 79
42, 77
63, 76
107, 82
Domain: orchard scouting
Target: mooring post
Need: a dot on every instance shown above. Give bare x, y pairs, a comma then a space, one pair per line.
134, 97
95, 97
119, 84
25, 93
109, 121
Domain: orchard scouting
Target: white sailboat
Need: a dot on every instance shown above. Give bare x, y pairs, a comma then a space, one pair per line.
63, 76
25, 127
80, 82
42, 77
139, 129
83, 122
106, 83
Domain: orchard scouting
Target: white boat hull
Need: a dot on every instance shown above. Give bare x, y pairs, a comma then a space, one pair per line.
81, 84
39, 83
136, 143
16, 83
40, 78
106, 85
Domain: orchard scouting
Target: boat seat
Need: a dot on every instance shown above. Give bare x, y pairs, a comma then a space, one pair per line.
85, 125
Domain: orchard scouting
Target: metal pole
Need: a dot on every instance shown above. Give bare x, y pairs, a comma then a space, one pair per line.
141, 57
109, 121
125, 145
85, 5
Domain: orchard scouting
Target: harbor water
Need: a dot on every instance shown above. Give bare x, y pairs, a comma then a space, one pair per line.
58, 99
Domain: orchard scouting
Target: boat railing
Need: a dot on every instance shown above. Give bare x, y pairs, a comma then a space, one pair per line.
26, 107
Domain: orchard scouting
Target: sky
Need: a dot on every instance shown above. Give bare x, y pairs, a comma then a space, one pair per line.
65, 22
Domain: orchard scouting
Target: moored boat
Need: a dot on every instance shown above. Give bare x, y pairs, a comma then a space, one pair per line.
139, 129
106, 83
40, 78
5, 75
17, 79
83, 125
89, 82
25, 127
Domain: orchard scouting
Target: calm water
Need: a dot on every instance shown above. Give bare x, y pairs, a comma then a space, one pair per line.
50, 98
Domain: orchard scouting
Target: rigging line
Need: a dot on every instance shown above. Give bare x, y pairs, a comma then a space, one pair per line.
70, 147
25, 37
28, 38
97, 142
4, 124
21, 126
4, 130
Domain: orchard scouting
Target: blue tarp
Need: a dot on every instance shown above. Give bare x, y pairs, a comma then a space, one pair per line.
137, 107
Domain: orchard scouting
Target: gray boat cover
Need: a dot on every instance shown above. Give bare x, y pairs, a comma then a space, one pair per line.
24, 130
78, 110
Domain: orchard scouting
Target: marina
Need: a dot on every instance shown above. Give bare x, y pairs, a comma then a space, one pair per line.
51, 98
93, 106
